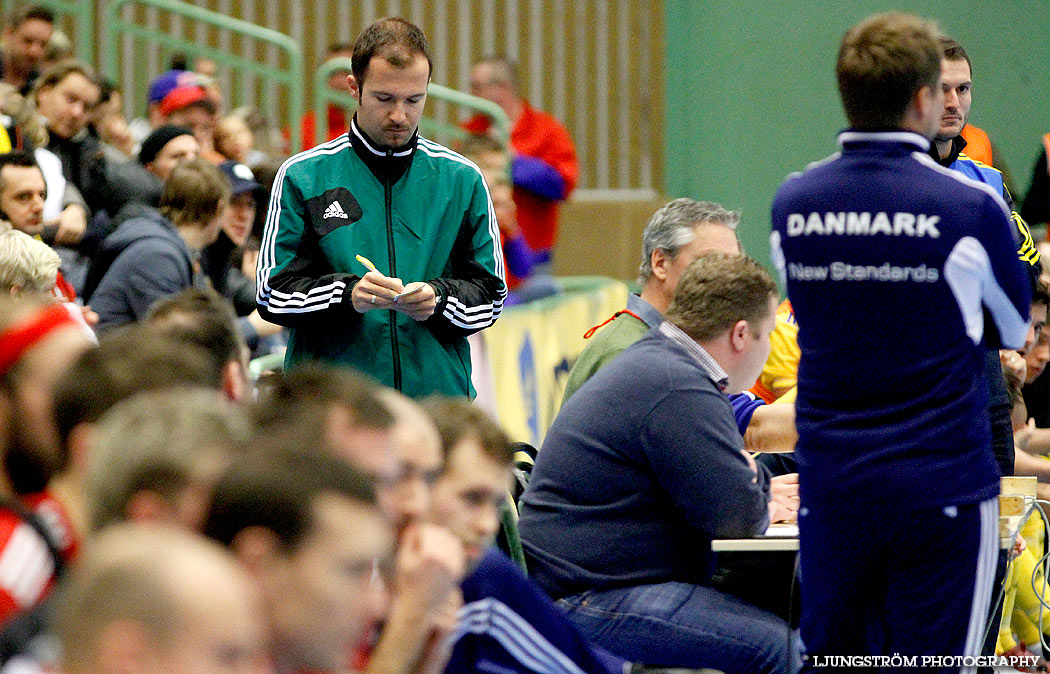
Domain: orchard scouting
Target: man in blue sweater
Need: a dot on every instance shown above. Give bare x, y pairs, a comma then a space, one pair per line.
898, 526
644, 466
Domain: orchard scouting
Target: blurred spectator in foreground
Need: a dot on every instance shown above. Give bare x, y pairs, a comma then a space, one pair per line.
160, 600
39, 341
204, 318
136, 360
157, 455
307, 528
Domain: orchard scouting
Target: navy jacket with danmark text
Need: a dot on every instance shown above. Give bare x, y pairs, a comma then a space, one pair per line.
901, 273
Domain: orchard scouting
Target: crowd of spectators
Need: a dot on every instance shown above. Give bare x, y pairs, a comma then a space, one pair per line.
352, 527
82, 179
160, 507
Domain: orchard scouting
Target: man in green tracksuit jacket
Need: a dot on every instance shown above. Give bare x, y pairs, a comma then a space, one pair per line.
382, 196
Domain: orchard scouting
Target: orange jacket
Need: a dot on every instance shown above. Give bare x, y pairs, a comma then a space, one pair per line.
978, 144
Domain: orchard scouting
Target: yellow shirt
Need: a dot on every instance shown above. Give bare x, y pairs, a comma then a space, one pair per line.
780, 373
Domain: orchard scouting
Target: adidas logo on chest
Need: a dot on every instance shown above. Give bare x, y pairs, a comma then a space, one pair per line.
334, 210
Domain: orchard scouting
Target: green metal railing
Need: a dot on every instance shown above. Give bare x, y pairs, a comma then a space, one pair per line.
115, 26
323, 95
83, 15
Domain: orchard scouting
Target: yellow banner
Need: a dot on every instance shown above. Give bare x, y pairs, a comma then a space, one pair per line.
528, 353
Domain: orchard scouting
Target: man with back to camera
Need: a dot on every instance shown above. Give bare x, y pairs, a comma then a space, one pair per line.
157, 254
892, 420
412, 214
307, 528
157, 599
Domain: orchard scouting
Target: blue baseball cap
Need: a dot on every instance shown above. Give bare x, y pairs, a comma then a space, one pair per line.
166, 82
241, 178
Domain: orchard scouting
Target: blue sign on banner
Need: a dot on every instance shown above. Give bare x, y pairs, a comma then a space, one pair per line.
529, 388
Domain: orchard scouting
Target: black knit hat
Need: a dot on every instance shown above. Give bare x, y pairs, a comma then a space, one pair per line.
156, 141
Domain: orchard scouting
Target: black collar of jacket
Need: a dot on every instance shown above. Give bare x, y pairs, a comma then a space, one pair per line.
388, 164
958, 143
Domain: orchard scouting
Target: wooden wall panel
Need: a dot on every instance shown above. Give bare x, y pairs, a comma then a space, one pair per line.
595, 64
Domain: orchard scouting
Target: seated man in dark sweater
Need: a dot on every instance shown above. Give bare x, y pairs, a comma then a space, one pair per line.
644, 466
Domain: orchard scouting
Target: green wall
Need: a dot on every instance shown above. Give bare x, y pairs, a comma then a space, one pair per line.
751, 91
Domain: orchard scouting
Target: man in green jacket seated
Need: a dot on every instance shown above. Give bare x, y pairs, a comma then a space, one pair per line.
676, 235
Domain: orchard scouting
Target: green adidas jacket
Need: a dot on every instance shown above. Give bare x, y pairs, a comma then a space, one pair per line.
420, 213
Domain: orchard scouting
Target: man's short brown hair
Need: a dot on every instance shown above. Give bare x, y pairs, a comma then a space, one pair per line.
953, 51
194, 193
22, 14
883, 62
60, 71
393, 39
458, 418
716, 291
1041, 293
203, 317
297, 403
132, 573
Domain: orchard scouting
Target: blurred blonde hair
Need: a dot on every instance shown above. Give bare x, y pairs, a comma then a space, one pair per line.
23, 112
26, 263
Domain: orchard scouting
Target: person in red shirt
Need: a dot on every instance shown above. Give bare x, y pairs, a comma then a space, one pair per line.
544, 168
337, 118
38, 341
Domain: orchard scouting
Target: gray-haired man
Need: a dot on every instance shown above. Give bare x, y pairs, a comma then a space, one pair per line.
676, 235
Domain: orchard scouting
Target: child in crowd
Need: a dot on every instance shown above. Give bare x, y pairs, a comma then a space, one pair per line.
234, 139
494, 163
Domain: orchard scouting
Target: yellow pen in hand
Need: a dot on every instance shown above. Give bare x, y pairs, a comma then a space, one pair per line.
408, 292
366, 262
